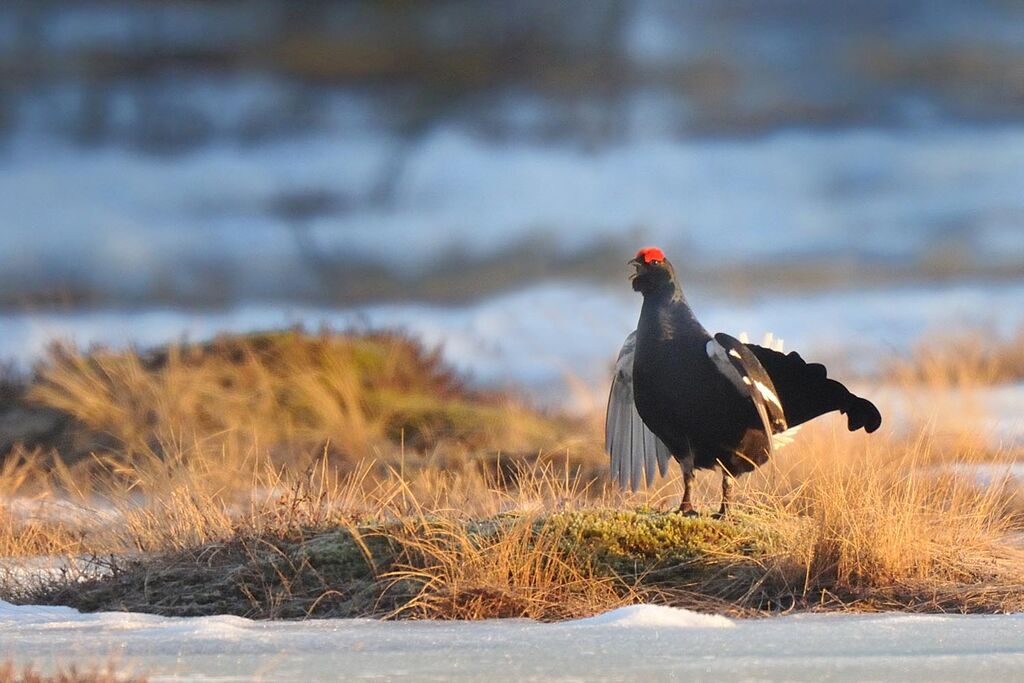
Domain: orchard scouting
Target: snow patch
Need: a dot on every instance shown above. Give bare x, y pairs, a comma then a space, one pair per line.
656, 616
32, 614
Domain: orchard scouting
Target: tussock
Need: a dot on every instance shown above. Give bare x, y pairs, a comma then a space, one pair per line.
288, 394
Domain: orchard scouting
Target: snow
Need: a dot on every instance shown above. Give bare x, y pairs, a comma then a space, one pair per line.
656, 616
639, 643
1004, 415
54, 509
995, 413
860, 193
29, 573
989, 473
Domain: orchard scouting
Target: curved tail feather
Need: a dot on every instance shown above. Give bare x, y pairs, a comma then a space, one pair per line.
807, 392
861, 414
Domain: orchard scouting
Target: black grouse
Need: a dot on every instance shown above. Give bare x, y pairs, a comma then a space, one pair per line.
709, 401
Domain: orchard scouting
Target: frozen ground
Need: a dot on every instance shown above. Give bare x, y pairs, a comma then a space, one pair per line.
638, 643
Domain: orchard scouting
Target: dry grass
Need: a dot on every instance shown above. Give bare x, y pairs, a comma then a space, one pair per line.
519, 567
9, 673
289, 394
246, 522
876, 519
964, 359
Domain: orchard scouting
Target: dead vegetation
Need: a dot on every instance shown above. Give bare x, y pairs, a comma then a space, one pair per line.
291, 393
9, 673
868, 531
963, 359
285, 476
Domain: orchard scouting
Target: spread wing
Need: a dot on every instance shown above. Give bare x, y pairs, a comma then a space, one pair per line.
741, 367
635, 451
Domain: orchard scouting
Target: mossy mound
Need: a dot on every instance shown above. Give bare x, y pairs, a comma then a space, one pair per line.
343, 572
730, 566
321, 574
694, 562
646, 535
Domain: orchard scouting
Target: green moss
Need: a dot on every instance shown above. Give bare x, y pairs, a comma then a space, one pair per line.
636, 542
339, 558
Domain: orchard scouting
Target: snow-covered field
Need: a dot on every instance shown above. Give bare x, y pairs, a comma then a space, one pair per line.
636, 643
895, 195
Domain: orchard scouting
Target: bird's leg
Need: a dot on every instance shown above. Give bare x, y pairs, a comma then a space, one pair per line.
686, 505
727, 480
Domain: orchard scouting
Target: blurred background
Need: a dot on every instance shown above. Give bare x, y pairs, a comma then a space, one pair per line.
847, 175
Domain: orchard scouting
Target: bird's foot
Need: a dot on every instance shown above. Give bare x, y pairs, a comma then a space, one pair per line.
722, 513
686, 509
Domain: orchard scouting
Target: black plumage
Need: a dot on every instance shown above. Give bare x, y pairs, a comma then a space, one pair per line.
712, 401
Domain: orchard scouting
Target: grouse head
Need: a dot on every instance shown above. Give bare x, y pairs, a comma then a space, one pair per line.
653, 273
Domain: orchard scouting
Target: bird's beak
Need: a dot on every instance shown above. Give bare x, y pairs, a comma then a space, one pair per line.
636, 263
